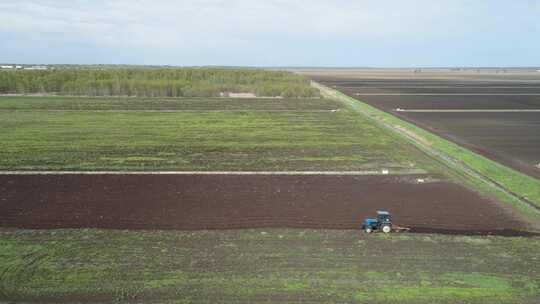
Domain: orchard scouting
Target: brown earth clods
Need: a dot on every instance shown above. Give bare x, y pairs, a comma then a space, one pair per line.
194, 202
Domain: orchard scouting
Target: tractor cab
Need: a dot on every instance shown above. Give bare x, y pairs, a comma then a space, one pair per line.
383, 216
383, 222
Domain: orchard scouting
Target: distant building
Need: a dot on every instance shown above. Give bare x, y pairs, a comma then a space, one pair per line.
6, 67
237, 95
36, 67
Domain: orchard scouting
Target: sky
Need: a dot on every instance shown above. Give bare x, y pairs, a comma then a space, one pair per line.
332, 33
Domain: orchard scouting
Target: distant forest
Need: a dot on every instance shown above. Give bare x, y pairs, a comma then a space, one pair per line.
167, 82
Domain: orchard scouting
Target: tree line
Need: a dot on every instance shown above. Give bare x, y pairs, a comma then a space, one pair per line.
170, 82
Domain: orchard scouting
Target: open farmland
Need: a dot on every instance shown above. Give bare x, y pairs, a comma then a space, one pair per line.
457, 105
504, 128
313, 163
269, 152
266, 265
227, 201
511, 137
196, 134
298, 163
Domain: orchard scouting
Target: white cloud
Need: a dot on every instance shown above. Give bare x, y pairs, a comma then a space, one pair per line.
191, 28
182, 22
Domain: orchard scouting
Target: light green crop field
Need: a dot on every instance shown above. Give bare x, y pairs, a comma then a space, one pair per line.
196, 134
276, 265
187, 104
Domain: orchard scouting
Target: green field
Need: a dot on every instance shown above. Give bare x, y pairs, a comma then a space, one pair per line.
278, 265
275, 265
199, 134
58, 103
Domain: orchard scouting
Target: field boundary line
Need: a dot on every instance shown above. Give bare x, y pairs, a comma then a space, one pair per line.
367, 172
426, 141
163, 111
438, 87
466, 110
45, 95
446, 94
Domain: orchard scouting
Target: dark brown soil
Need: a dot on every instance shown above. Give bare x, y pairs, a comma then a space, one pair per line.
442, 102
509, 138
192, 202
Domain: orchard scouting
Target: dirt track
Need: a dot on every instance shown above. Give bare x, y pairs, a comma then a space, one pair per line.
191, 202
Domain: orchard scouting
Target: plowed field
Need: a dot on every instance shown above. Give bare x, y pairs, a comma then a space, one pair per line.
191, 202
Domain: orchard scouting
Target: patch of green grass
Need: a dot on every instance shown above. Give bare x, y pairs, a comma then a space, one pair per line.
58, 103
443, 295
477, 280
298, 138
279, 264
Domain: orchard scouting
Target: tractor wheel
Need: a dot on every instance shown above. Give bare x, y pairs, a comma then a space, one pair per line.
386, 229
368, 230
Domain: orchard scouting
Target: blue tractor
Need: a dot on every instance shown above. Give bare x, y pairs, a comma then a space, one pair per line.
383, 223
